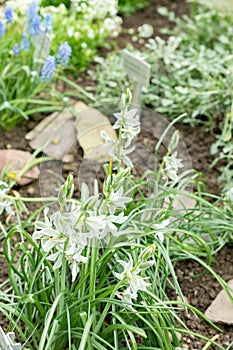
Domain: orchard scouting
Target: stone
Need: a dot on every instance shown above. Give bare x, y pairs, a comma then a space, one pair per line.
89, 123
55, 134
221, 309
13, 161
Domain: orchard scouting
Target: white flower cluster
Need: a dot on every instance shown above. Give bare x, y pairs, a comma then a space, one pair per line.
172, 165
131, 275
105, 10
128, 124
95, 9
5, 204
67, 232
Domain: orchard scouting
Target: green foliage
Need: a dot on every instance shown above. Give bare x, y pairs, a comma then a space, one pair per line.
128, 7
94, 274
21, 87
55, 3
190, 72
86, 29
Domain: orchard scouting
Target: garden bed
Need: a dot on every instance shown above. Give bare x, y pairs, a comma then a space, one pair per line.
199, 291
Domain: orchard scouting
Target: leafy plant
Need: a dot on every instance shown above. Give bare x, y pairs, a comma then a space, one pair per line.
190, 72
94, 273
128, 7
86, 26
25, 71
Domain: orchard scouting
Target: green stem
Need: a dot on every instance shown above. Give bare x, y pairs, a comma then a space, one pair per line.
120, 141
23, 199
107, 307
94, 256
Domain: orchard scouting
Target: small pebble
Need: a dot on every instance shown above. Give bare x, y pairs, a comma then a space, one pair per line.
30, 190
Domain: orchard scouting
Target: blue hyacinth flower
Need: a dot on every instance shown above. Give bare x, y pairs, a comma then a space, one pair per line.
48, 23
48, 69
34, 26
24, 43
16, 50
32, 12
2, 29
63, 55
9, 14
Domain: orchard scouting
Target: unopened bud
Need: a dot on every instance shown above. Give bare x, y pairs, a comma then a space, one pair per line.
147, 253
123, 102
174, 141
66, 190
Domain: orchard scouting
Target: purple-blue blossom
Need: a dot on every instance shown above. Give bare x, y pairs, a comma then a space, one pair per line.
48, 69
2, 29
32, 11
24, 43
48, 23
9, 14
16, 50
63, 55
34, 26
33, 19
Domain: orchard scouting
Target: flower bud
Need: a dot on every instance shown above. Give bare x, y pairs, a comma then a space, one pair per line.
123, 102
174, 141
66, 190
147, 253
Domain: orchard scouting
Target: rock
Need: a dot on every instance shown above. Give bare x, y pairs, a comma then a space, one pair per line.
221, 309
55, 134
89, 123
180, 306
14, 161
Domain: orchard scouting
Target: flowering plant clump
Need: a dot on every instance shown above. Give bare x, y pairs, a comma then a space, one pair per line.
85, 26
27, 65
94, 273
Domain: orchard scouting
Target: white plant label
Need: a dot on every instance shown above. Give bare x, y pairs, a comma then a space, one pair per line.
136, 68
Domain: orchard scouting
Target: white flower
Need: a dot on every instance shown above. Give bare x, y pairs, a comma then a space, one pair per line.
116, 200
5, 204
160, 229
131, 274
145, 31
172, 165
73, 255
113, 229
53, 233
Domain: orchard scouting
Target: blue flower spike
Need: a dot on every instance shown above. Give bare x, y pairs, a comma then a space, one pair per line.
25, 43
33, 20
48, 69
48, 23
16, 50
2, 29
63, 55
9, 14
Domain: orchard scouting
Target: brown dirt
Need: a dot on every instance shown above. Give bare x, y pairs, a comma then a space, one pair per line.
152, 17
200, 291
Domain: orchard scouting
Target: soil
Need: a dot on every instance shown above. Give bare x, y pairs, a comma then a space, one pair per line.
199, 291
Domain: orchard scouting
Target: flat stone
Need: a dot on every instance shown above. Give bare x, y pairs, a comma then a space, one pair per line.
89, 123
13, 161
221, 309
55, 134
